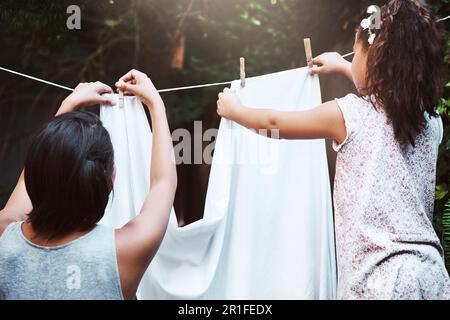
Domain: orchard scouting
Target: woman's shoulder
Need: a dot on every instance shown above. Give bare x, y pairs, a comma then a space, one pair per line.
5, 222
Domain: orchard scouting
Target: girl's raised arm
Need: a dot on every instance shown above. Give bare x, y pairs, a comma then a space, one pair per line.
325, 121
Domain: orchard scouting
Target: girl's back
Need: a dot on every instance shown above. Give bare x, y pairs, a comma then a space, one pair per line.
384, 200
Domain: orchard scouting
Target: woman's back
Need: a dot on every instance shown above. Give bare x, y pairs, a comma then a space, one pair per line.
63, 192
85, 268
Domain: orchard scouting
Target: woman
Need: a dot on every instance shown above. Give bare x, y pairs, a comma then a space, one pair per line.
59, 251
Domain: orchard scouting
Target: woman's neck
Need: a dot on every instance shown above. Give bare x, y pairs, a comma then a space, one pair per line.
43, 240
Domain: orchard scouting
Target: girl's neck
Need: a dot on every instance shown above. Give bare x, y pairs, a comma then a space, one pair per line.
42, 240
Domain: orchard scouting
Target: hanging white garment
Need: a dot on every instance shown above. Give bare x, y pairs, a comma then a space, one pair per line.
267, 230
131, 138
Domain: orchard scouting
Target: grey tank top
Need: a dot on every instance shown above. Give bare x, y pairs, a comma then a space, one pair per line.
83, 269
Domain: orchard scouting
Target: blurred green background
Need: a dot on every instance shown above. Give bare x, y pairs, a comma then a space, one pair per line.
177, 43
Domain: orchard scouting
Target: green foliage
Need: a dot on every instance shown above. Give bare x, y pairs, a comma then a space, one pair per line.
443, 170
442, 204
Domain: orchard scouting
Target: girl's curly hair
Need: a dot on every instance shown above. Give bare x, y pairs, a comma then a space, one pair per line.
405, 66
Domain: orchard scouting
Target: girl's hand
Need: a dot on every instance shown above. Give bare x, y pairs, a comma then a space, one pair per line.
140, 85
84, 95
329, 62
228, 104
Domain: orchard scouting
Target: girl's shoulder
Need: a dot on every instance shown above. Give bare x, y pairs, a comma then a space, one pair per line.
355, 110
361, 112
354, 103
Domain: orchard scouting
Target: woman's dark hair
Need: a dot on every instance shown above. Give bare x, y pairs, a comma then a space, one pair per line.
68, 174
404, 66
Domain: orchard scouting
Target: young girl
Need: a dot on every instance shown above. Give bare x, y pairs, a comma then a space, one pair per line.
60, 252
387, 141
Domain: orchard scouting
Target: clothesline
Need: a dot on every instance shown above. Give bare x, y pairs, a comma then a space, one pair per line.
162, 90
71, 89
36, 79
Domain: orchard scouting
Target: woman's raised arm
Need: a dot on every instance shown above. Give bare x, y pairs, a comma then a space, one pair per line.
138, 241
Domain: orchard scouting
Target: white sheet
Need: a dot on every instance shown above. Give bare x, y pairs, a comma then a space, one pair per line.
267, 231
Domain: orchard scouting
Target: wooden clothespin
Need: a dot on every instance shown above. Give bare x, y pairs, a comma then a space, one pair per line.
308, 51
242, 73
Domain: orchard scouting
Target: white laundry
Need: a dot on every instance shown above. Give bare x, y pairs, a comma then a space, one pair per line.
267, 230
131, 138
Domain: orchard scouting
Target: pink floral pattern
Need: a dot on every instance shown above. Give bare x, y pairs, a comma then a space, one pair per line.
384, 196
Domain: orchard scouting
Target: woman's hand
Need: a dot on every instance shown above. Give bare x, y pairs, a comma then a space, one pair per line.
228, 104
139, 84
84, 95
330, 62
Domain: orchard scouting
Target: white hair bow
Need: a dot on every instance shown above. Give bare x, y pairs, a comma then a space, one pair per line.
368, 24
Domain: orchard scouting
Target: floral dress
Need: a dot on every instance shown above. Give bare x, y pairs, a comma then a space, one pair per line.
384, 196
